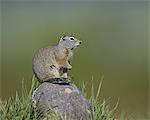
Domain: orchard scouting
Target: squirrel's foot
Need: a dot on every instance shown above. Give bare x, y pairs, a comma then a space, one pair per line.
64, 75
60, 81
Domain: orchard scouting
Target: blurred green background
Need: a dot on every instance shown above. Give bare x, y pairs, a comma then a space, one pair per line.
115, 44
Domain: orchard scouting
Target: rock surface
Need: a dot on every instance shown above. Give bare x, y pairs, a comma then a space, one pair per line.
66, 100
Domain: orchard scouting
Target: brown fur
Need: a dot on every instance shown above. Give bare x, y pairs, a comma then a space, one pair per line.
47, 61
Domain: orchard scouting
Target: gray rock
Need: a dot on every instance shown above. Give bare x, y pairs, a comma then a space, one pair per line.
65, 100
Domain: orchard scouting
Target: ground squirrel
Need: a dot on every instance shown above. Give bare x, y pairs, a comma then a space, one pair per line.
53, 62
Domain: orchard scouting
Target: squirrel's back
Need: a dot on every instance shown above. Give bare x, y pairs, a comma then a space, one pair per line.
42, 61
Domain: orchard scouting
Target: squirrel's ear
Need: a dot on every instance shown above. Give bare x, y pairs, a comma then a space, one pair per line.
63, 37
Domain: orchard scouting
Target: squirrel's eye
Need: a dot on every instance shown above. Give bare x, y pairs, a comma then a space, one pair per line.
71, 38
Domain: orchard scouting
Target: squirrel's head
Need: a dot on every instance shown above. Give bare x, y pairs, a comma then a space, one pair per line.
70, 42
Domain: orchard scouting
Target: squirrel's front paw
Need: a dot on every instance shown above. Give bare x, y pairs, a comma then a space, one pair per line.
69, 67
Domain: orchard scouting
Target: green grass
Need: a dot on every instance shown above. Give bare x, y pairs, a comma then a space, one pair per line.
22, 108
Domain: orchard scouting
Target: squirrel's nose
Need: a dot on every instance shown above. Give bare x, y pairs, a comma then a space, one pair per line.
80, 42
